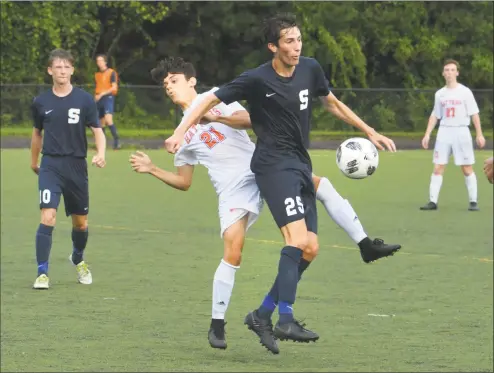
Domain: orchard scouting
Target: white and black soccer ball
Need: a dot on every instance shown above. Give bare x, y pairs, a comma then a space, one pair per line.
357, 158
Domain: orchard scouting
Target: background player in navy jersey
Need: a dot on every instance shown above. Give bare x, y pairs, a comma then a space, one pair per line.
280, 94
60, 117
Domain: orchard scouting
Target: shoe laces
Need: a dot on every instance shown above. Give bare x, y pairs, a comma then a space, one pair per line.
83, 268
378, 241
300, 323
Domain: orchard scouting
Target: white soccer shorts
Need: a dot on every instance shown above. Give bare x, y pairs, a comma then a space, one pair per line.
238, 201
454, 140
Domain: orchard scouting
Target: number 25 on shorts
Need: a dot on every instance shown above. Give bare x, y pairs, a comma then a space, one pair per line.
290, 206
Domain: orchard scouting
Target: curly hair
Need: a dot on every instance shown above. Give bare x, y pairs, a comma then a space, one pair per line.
172, 65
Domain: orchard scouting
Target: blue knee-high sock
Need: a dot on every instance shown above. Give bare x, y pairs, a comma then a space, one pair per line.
79, 241
287, 281
43, 247
113, 130
271, 299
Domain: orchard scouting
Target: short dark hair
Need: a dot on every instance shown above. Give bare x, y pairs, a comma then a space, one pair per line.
172, 65
274, 25
452, 62
101, 55
61, 54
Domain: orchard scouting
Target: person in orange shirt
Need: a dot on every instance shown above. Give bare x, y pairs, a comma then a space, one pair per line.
106, 80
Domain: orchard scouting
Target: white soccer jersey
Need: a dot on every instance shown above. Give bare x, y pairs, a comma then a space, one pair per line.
224, 151
454, 106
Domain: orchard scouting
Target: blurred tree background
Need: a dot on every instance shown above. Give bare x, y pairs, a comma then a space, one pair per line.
384, 59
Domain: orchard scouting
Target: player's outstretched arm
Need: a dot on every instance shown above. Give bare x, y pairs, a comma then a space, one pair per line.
239, 120
36, 144
100, 140
173, 143
343, 112
181, 180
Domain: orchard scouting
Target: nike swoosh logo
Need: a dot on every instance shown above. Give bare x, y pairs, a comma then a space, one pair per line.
49, 111
270, 94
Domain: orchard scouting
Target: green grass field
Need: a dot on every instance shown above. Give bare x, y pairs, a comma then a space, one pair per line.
153, 252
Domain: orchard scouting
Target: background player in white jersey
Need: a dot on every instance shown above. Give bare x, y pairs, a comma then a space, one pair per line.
454, 105
201, 145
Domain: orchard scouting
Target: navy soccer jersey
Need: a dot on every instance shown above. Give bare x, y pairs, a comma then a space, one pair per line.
63, 121
280, 110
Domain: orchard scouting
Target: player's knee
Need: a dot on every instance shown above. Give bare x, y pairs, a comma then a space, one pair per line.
312, 249
109, 119
296, 234
79, 222
439, 169
316, 180
233, 248
233, 252
80, 226
300, 242
467, 170
233, 257
48, 217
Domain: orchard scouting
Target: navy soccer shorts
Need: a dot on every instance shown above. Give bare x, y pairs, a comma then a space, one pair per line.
290, 196
105, 105
67, 177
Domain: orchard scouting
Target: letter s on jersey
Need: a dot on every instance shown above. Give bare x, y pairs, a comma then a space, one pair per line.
304, 99
74, 115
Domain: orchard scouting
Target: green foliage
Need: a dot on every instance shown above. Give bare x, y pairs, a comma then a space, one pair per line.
390, 44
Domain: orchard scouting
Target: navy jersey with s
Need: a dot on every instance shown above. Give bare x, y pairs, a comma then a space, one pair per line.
280, 110
63, 121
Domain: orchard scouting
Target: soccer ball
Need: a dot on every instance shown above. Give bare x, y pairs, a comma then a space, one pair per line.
357, 158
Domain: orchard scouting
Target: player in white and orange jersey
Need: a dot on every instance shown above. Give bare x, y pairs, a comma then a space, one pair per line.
226, 152
454, 106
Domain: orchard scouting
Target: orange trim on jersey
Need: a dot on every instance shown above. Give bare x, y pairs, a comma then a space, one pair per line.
103, 81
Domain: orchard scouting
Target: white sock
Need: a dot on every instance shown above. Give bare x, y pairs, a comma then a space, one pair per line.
435, 187
224, 279
340, 210
471, 181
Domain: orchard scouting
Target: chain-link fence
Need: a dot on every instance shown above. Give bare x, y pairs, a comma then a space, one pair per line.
147, 107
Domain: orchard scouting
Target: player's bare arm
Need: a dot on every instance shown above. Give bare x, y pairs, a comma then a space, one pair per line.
100, 141
480, 140
239, 120
107, 92
36, 144
343, 112
181, 180
431, 124
489, 169
173, 143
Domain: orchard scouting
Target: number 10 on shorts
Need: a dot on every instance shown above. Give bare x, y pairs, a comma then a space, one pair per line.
44, 196
290, 206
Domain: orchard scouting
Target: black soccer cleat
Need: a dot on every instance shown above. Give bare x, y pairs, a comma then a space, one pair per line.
216, 334
429, 206
377, 249
264, 330
473, 206
294, 331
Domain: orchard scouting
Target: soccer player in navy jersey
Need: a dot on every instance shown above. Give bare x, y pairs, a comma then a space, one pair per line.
61, 115
279, 94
